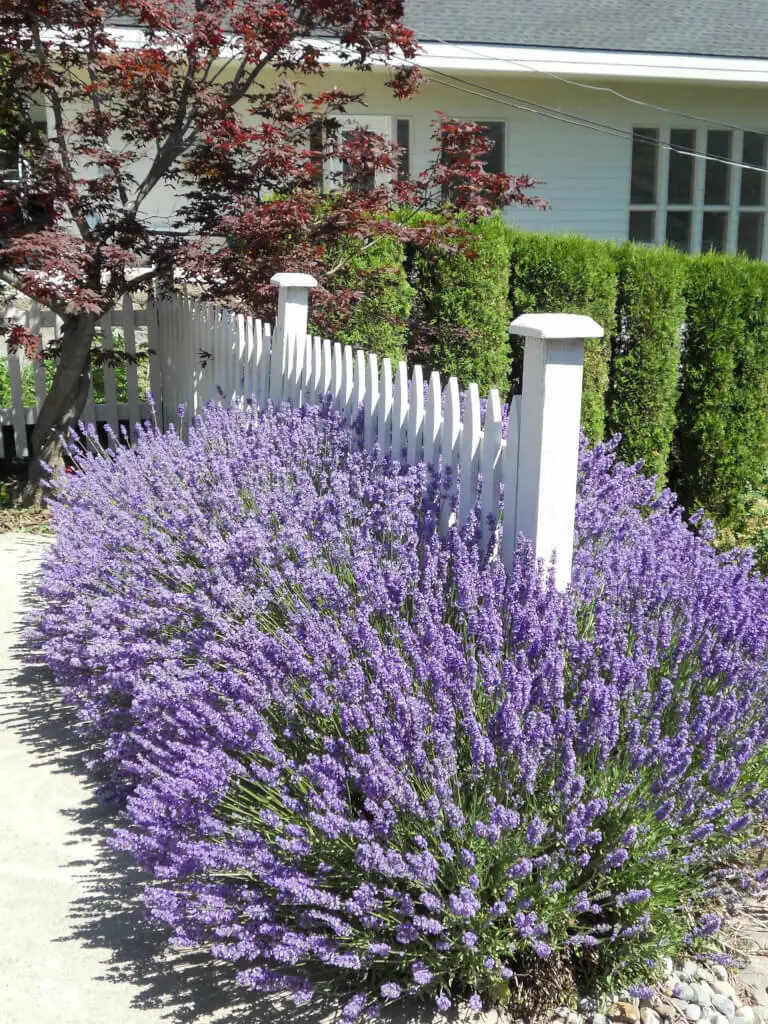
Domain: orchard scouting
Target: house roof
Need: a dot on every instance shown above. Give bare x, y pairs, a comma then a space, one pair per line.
723, 28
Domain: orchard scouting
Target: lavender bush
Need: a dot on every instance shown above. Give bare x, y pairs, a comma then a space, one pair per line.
364, 761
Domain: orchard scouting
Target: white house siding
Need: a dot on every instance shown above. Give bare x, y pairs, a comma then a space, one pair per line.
584, 174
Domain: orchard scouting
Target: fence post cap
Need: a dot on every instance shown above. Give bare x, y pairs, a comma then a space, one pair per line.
556, 326
293, 281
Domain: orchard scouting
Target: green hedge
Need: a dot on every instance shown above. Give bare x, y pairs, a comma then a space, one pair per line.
721, 442
645, 359
568, 274
462, 306
379, 321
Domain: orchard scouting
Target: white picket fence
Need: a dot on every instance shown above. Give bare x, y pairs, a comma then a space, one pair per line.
203, 353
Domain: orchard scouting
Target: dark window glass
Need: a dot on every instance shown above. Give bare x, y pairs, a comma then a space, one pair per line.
718, 176
753, 182
316, 147
494, 161
714, 232
681, 165
642, 226
404, 141
9, 165
678, 231
644, 154
751, 228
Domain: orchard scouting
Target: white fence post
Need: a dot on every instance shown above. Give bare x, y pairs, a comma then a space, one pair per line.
550, 409
291, 322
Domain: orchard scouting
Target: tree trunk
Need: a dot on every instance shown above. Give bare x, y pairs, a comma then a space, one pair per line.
64, 403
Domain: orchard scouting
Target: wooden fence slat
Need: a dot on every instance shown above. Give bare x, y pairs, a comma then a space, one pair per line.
131, 372
307, 393
337, 374
490, 465
400, 413
450, 440
509, 467
433, 418
471, 437
386, 400
257, 357
315, 386
348, 382
110, 384
154, 339
326, 381
276, 365
416, 417
358, 394
35, 326
250, 358
266, 330
18, 412
371, 401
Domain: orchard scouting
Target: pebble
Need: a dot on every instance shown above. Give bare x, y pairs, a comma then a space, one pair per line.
649, 1016
704, 973
625, 1012
588, 1005
685, 992
598, 1018
718, 1018
693, 1011
663, 1007
719, 972
723, 988
668, 965
702, 994
723, 1005
745, 1015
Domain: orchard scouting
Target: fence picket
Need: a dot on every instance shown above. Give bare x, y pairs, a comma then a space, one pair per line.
371, 401
471, 437
433, 417
450, 441
358, 392
509, 466
18, 412
348, 383
276, 370
35, 326
154, 340
490, 466
400, 413
337, 374
386, 400
416, 417
110, 384
131, 374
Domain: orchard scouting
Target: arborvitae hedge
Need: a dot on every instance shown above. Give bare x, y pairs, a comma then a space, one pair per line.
379, 320
721, 442
568, 274
462, 308
646, 354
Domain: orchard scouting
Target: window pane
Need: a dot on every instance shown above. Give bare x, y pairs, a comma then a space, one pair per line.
718, 176
751, 227
494, 161
404, 141
644, 155
642, 226
679, 229
714, 232
753, 182
681, 165
316, 147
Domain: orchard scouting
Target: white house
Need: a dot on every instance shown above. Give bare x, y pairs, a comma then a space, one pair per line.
642, 119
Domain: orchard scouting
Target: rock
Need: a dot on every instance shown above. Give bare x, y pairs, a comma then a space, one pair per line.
723, 1005
649, 1016
744, 1015
598, 1018
667, 965
679, 1004
723, 988
702, 995
575, 1018
718, 1018
587, 1004
663, 1007
704, 973
563, 1011
684, 991
669, 985
692, 1011
625, 1012
719, 972
760, 1011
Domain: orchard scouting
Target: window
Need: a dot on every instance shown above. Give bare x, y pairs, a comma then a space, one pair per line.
329, 172
687, 189
404, 142
493, 161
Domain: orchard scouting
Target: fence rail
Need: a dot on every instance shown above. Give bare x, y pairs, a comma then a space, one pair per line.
203, 353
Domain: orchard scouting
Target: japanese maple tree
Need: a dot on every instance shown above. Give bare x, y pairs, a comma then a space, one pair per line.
213, 100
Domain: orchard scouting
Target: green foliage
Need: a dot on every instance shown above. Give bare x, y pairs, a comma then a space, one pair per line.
568, 274
378, 322
646, 354
721, 443
462, 305
752, 528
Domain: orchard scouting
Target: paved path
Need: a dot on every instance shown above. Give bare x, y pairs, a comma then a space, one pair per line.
74, 945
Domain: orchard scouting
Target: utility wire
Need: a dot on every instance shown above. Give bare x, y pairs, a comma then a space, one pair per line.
554, 113
600, 88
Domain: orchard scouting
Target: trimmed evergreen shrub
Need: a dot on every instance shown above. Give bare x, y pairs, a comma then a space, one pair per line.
462, 311
378, 322
646, 354
721, 442
568, 274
